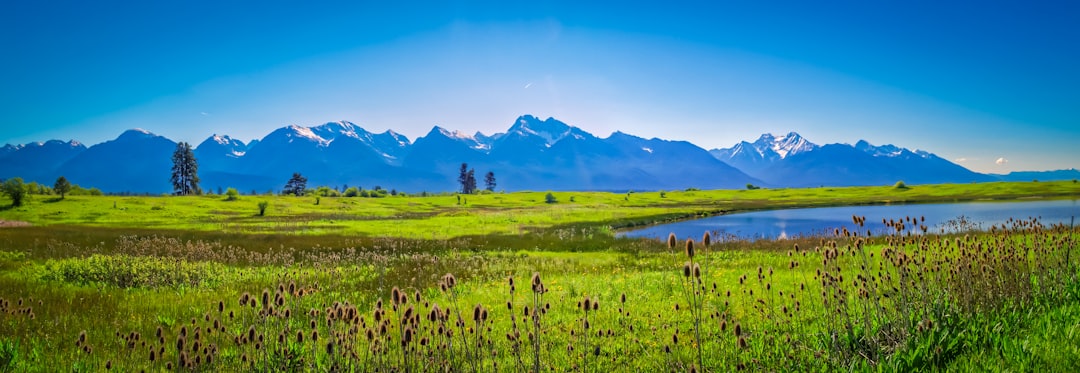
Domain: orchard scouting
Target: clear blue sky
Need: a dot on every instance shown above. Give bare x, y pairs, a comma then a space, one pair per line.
973, 82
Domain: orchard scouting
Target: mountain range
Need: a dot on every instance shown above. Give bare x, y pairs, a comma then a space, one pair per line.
533, 154
791, 160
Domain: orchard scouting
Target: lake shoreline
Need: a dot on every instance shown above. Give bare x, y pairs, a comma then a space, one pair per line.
627, 232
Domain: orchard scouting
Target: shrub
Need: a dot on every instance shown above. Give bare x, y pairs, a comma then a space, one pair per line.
900, 185
15, 189
352, 192
262, 207
752, 187
550, 198
231, 194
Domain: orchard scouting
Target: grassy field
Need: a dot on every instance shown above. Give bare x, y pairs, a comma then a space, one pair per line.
451, 216
201, 284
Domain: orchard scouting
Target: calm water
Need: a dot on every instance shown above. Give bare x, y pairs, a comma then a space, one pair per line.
810, 221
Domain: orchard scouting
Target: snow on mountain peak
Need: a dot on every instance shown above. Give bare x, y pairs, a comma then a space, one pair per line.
455, 134
887, 150
784, 145
220, 139
551, 129
306, 133
136, 133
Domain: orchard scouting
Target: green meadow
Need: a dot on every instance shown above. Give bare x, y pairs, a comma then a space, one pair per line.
451, 216
509, 282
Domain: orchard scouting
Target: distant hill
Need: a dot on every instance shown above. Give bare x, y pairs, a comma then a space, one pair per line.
1070, 174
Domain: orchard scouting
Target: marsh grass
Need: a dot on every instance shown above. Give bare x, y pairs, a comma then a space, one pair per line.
902, 301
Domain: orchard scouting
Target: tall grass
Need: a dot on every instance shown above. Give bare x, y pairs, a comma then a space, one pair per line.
909, 300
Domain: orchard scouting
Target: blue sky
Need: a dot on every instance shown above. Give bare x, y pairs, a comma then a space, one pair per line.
992, 85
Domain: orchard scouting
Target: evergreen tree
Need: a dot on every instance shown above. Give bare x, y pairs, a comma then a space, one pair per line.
185, 171
489, 181
62, 186
296, 186
463, 178
470, 182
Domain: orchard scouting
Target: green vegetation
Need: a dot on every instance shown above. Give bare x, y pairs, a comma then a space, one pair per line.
436, 285
62, 187
15, 190
232, 194
500, 214
185, 171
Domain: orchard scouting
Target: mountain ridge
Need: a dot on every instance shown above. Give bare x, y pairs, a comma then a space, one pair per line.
532, 154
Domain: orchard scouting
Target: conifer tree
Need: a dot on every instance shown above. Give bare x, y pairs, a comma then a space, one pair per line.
185, 171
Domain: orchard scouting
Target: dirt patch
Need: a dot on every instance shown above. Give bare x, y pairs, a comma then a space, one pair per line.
13, 224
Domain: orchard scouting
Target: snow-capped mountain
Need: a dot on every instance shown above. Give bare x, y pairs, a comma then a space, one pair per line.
791, 160
222, 145
752, 158
8, 149
37, 160
532, 154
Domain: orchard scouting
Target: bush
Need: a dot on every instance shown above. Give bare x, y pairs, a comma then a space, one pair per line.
352, 192
550, 198
900, 185
231, 194
15, 189
262, 207
752, 187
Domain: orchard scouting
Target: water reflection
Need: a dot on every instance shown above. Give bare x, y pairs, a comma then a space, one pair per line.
793, 223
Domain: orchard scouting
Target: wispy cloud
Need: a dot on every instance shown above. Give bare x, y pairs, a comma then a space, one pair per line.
205, 114
960, 160
1001, 161
528, 85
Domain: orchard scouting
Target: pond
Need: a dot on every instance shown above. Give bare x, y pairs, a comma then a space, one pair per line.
789, 223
